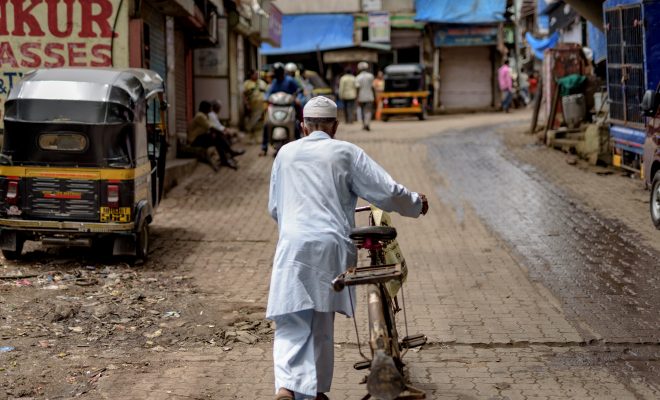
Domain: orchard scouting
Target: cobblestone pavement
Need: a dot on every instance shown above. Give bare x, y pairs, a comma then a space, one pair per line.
501, 324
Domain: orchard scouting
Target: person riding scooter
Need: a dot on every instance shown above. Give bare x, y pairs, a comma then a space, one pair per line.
286, 84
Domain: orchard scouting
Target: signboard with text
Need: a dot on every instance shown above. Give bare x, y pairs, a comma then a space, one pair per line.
55, 33
275, 26
379, 27
466, 36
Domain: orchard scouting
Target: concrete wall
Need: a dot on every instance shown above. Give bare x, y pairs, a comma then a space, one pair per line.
325, 6
339, 6
402, 6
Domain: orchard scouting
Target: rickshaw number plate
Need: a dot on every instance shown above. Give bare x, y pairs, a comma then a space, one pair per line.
121, 214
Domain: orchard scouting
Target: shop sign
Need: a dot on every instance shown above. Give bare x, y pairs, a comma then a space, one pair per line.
372, 5
52, 33
275, 26
466, 36
379, 27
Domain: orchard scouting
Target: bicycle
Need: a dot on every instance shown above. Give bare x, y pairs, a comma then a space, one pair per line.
384, 277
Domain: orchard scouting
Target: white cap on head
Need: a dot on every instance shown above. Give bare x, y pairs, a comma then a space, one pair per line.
320, 107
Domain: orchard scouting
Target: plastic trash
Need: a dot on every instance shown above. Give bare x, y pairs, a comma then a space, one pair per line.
5, 349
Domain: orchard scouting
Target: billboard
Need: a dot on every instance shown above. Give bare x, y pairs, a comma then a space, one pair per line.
60, 33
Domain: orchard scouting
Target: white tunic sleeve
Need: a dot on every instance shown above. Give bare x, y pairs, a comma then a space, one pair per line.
272, 198
372, 183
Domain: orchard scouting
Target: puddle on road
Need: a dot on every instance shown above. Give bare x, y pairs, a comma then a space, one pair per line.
593, 265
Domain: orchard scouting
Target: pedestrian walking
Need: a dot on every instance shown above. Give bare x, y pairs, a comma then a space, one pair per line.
314, 186
348, 94
524, 87
379, 88
506, 85
366, 97
254, 90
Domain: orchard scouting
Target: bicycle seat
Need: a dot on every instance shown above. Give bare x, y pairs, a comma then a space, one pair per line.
380, 233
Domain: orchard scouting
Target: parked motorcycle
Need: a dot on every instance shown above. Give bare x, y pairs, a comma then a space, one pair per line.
281, 119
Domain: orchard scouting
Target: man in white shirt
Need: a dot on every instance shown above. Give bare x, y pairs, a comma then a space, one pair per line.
366, 97
314, 187
216, 106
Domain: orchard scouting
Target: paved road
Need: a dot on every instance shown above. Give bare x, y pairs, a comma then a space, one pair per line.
524, 292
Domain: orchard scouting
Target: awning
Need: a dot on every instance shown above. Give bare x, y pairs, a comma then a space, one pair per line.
312, 32
460, 11
350, 55
539, 45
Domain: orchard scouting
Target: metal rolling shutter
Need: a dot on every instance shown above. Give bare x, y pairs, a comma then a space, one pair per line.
466, 78
180, 81
157, 47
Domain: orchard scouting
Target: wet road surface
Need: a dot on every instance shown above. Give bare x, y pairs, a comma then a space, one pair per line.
607, 283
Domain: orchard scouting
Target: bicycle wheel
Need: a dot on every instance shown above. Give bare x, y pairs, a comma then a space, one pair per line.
385, 380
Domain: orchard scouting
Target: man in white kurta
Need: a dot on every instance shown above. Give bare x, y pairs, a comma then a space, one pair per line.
314, 187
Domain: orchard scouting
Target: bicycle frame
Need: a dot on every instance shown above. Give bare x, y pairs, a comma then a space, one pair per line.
386, 378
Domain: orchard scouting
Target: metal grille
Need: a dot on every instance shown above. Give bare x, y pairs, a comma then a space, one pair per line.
625, 59
613, 23
631, 19
48, 199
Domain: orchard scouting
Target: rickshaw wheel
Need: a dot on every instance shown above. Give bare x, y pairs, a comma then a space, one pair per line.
142, 242
14, 254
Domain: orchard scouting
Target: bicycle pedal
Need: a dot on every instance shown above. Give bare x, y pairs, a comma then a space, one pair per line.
362, 365
410, 342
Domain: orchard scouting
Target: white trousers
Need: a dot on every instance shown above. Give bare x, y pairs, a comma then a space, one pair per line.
303, 352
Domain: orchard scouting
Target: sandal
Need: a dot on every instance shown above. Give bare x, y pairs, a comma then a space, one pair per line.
321, 396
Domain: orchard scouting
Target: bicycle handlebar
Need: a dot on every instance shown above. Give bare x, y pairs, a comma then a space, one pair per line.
362, 209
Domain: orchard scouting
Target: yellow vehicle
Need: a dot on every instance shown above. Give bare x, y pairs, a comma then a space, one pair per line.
405, 91
83, 159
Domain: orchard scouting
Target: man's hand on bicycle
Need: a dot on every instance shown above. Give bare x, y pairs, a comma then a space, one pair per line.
425, 204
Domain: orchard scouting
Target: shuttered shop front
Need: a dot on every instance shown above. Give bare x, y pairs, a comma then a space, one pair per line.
155, 53
466, 78
181, 81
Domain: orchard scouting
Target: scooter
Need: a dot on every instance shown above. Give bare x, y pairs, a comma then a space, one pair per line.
281, 119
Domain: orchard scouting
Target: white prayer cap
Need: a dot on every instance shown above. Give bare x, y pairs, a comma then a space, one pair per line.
320, 107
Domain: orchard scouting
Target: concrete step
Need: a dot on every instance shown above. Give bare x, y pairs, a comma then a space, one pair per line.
177, 170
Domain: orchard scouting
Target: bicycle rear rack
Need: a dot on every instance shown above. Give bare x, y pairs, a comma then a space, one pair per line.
367, 275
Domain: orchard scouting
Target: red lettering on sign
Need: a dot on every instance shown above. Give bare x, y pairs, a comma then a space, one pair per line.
74, 55
50, 52
30, 59
53, 18
103, 56
7, 55
3, 18
24, 17
101, 19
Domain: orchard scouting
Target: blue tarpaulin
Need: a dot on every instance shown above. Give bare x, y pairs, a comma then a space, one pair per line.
460, 11
311, 32
597, 42
539, 45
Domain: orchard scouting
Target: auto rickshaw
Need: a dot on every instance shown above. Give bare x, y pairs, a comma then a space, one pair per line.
405, 91
83, 159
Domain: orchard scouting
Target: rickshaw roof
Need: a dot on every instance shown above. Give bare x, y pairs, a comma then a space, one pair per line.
86, 84
401, 69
